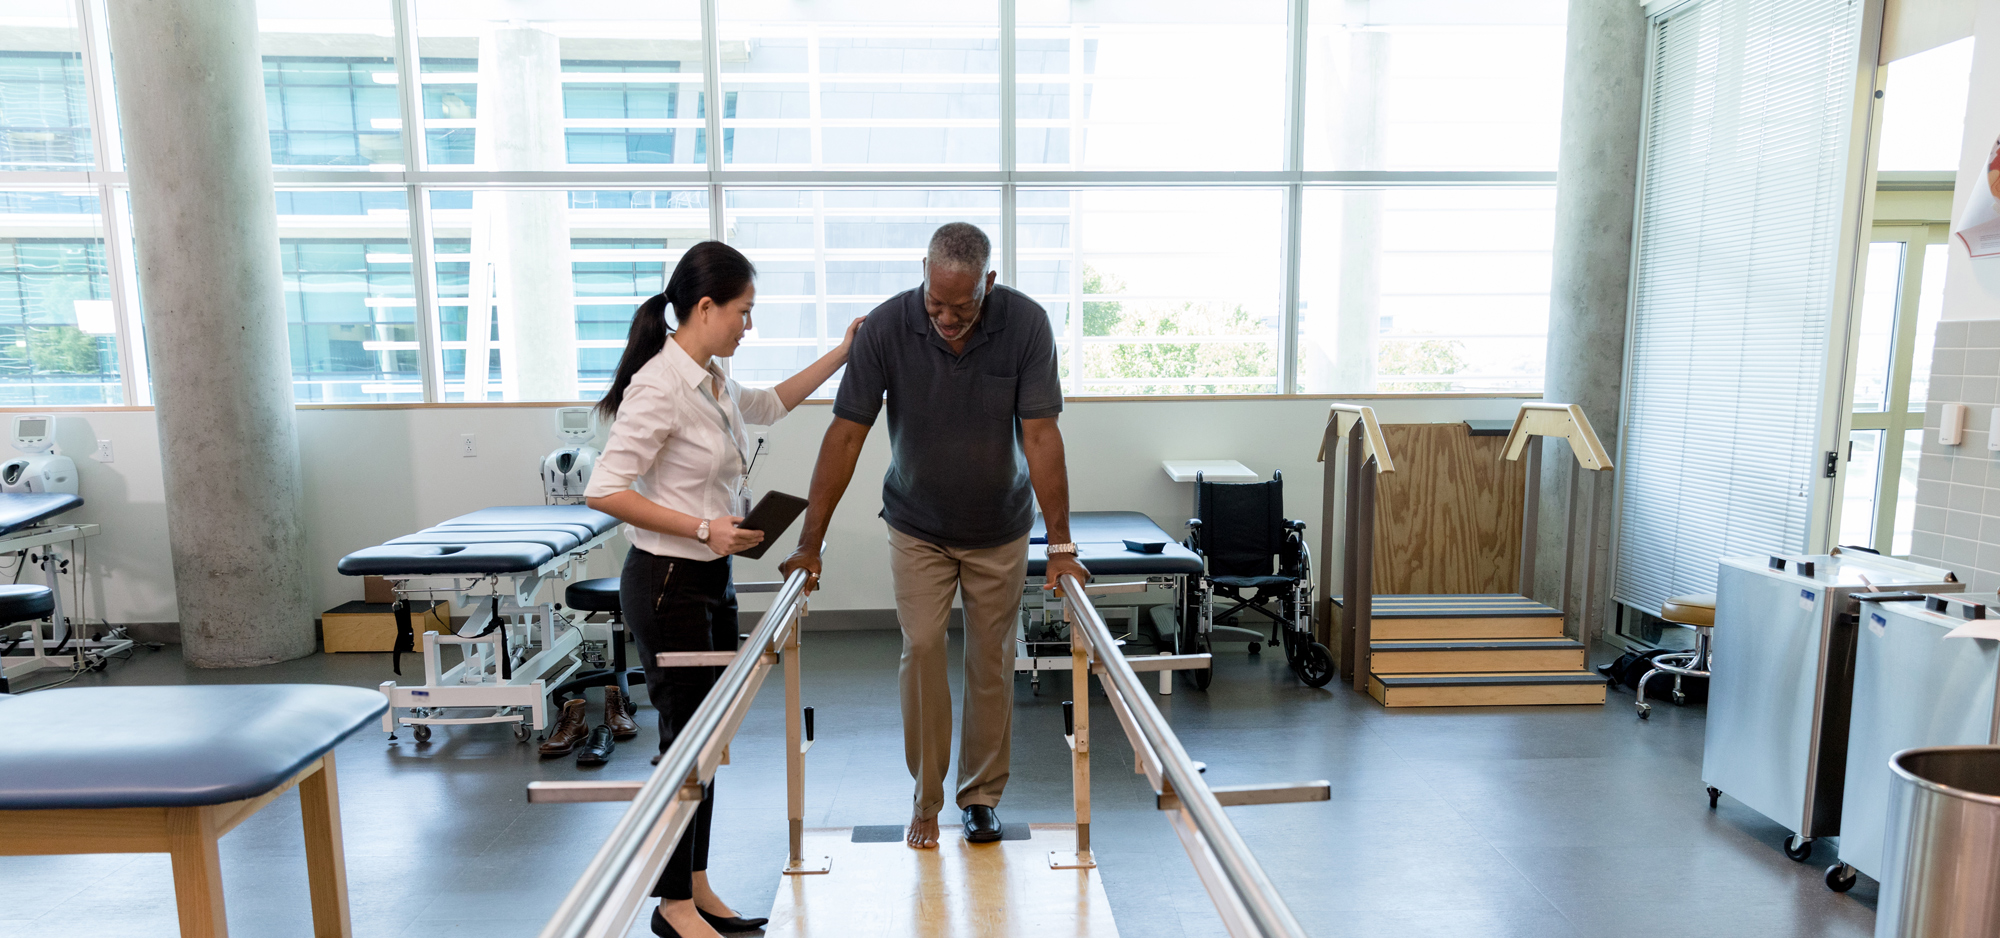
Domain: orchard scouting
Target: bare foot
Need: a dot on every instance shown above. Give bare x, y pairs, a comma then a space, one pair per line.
922, 833
688, 923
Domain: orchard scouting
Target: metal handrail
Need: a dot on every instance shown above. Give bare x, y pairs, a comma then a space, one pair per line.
594, 906
1247, 883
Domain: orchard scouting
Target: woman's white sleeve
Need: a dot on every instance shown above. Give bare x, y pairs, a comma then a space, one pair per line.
645, 421
761, 407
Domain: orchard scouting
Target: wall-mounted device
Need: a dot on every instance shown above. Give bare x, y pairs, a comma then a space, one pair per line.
41, 470
566, 472
1951, 425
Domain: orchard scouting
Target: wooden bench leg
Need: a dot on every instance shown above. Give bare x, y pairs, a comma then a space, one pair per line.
326, 861
191, 838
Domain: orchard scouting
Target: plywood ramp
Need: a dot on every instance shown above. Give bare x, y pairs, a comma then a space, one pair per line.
960, 889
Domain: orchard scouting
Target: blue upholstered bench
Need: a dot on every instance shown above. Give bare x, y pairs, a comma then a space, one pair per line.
172, 769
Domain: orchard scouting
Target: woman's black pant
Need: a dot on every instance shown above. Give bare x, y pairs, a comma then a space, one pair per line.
671, 604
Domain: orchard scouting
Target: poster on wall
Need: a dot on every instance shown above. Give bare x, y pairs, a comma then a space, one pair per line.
1979, 227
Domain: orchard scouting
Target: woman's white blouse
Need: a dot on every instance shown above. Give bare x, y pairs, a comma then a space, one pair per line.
676, 444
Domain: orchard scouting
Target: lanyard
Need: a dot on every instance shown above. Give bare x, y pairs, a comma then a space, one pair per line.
741, 496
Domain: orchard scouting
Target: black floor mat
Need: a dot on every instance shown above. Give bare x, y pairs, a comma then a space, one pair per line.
893, 833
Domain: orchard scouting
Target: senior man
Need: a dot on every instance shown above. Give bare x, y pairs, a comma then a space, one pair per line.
969, 371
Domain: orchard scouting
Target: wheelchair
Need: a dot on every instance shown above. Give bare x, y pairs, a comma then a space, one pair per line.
1241, 534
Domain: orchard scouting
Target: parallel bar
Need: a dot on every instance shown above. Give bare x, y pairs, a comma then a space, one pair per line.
606, 900
1239, 882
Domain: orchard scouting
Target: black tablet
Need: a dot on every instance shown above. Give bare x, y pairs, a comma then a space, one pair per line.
774, 513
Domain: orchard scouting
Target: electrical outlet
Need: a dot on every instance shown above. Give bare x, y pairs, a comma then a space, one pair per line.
103, 453
467, 445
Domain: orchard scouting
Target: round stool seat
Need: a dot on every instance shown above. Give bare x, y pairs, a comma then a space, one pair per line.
1693, 609
21, 602
599, 595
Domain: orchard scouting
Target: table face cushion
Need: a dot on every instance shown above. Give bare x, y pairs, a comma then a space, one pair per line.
18, 510
560, 541
175, 746
446, 559
525, 515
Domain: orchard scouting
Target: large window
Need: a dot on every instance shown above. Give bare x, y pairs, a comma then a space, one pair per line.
1267, 197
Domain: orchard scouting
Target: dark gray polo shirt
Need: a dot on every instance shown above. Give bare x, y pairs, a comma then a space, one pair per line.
957, 476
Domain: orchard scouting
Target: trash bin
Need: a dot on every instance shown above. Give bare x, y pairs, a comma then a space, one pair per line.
1941, 865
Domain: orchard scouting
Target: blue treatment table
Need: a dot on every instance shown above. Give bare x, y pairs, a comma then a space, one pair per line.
1043, 643
514, 640
171, 770
25, 525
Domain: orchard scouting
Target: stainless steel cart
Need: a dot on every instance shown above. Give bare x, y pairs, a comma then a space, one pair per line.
1912, 687
1782, 683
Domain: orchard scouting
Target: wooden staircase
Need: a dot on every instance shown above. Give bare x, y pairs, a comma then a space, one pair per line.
1474, 651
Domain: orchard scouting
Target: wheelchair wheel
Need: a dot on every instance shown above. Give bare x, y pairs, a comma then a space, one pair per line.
1201, 679
1314, 665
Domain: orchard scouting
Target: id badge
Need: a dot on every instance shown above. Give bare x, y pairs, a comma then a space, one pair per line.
742, 508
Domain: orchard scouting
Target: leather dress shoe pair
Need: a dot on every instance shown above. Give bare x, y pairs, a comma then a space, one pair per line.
717, 922
982, 824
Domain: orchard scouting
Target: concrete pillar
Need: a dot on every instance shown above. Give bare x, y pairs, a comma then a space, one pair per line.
192, 104
521, 130
1597, 177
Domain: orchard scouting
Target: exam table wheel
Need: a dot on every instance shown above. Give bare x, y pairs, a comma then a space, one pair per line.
422, 732
1714, 794
1840, 877
521, 732
1801, 851
1314, 664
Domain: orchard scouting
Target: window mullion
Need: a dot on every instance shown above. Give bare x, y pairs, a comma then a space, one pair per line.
423, 266
1010, 271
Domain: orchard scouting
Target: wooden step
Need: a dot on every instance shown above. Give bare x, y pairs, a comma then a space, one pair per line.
1475, 655
1457, 616
1520, 688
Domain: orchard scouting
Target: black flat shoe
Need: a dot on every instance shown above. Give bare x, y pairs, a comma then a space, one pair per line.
733, 923
660, 926
982, 825
598, 750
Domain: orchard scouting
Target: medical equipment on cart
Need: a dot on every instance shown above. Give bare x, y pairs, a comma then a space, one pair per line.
494, 562
23, 530
566, 472
40, 470
1781, 691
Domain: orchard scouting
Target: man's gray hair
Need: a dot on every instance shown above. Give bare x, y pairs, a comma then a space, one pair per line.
961, 246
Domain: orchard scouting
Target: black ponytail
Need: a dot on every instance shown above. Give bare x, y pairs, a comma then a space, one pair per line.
709, 269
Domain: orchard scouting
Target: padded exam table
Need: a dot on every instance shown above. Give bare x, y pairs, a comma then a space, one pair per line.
160, 772
512, 552
25, 524
1100, 538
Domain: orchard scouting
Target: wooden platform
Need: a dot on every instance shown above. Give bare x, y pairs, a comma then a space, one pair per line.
1487, 690
960, 889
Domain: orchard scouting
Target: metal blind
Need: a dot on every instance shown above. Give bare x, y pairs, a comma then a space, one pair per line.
1739, 226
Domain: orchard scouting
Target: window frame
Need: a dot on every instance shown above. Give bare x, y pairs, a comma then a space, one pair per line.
418, 178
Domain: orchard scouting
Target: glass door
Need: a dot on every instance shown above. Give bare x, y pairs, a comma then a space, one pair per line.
1902, 295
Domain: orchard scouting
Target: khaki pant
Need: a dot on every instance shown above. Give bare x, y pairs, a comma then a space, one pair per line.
927, 576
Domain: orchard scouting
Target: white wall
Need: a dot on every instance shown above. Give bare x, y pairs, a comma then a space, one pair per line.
372, 475
1972, 286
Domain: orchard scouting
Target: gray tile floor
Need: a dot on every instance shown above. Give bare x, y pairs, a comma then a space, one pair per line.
1541, 821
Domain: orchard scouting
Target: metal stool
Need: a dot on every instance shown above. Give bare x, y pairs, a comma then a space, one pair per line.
600, 595
1696, 612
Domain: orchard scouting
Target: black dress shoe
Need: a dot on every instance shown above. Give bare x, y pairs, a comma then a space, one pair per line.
660, 926
982, 825
598, 750
732, 923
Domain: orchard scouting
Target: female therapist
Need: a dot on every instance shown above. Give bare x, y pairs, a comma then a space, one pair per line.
675, 470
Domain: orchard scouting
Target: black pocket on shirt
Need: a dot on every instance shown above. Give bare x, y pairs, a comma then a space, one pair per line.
996, 396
